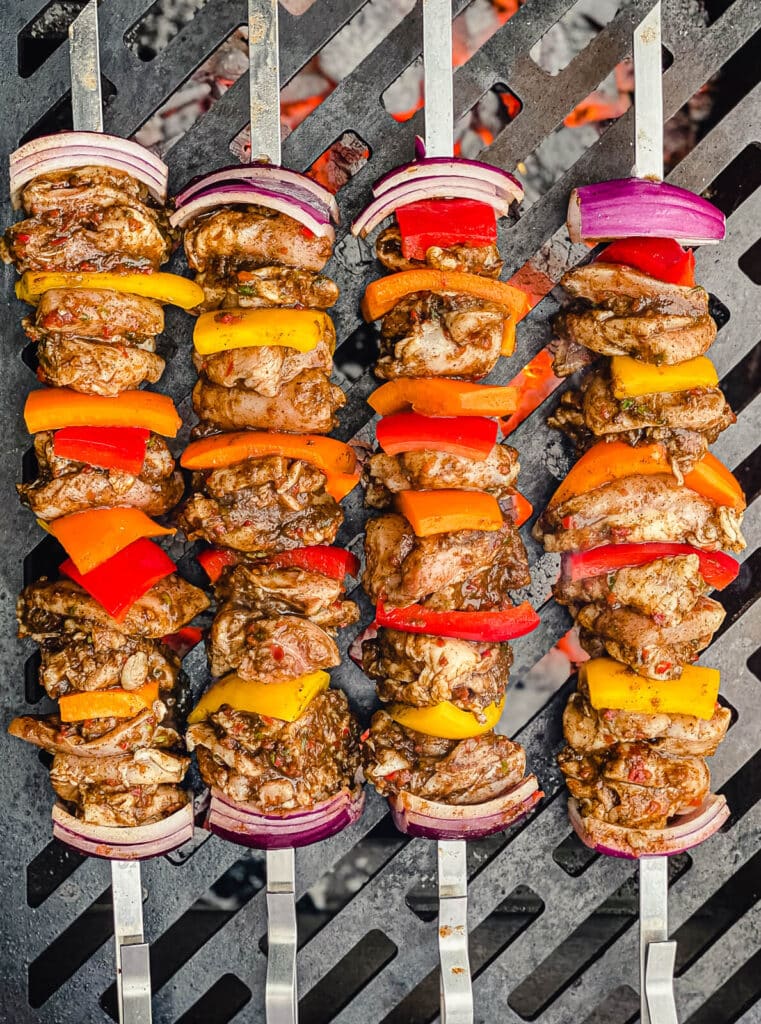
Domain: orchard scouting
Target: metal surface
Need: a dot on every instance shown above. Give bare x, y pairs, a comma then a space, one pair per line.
84, 60
264, 80
437, 64
133, 976
653, 945
456, 988
648, 97
281, 997
376, 948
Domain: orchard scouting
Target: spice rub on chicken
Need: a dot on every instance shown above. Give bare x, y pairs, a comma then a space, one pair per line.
264, 369
254, 287
473, 259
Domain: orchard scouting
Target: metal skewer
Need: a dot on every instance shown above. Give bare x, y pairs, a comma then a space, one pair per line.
133, 975
656, 953
456, 990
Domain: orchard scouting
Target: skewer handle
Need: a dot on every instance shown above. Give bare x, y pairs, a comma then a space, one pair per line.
456, 990
133, 973
656, 953
281, 993
84, 60
437, 64
264, 81
648, 97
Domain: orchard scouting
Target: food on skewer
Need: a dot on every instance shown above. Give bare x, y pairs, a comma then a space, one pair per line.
444, 554
642, 519
111, 626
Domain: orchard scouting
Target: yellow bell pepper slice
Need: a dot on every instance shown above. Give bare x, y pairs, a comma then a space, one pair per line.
165, 288
286, 701
224, 329
632, 378
446, 720
115, 703
613, 685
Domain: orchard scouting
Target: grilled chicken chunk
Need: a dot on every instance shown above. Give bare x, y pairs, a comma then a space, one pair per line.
623, 289
44, 608
81, 188
639, 509
460, 772
473, 259
96, 368
113, 737
473, 567
658, 652
257, 287
386, 475
569, 357
71, 775
431, 334
262, 506
279, 766
423, 670
245, 235
95, 313
263, 369
138, 805
589, 730
276, 649
65, 486
665, 589
633, 784
306, 404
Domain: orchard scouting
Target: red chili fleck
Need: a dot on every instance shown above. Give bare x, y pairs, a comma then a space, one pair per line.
277, 652
23, 238
364, 735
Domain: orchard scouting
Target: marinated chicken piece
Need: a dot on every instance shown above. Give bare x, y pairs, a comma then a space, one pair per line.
634, 785
568, 357
386, 475
46, 607
262, 506
456, 772
279, 766
625, 290
473, 259
139, 805
653, 338
306, 404
423, 670
431, 334
263, 369
81, 188
89, 657
124, 237
272, 591
96, 313
64, 486
639, 509
96, 368
658, 652
244, 235
118, 736
588, 730
403, 569
70, 775
257, 287
665, 589
275, 649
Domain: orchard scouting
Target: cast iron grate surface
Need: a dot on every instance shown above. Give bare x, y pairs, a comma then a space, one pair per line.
553, 931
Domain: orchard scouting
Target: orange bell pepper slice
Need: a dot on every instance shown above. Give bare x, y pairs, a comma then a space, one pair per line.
91, 537
714, 481
433, 397
115, 703
383, 294
54, 408
432, 512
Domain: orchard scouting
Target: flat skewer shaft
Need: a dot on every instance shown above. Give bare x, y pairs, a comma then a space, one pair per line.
437, 64
84, 59
656, 953
281, 993
456, 989
648, 97
264, 81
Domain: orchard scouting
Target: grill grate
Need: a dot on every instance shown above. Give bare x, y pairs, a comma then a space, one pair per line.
553, 929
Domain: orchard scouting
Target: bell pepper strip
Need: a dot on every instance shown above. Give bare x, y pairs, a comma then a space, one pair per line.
382, 295
225, 329
114, 703
662, 258
507, 345
105, 447
54, 408
221, 450
714, 481
446, 720
164, 288
615, 686
322, 558
338, 485
92, 537
446, 511
522, 507
430, 396
444, 223
471, 437
184, 640
631, 378
493, 626
716, 568
214, 561
122, 579
286, 701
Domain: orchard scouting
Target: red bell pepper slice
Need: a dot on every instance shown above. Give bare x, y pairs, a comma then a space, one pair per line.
492, 626
122, 579
184, 640
522, 508
472, 437
214, 561
323, 558
105, 447
663, 258
716, 568
443, 223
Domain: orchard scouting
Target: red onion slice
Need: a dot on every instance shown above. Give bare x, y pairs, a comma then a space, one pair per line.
130, 843
317, 221
429, 188
687, 831
428, 819
639, 207
475, 171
